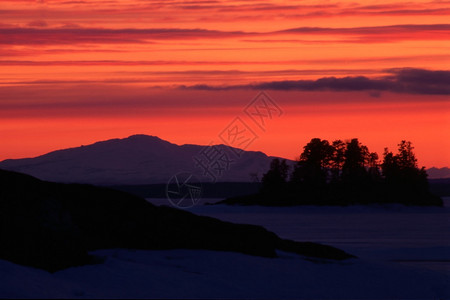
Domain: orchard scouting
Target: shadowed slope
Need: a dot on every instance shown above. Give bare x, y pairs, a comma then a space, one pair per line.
53, 226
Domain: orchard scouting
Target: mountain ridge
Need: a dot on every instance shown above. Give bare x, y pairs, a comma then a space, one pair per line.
137, 159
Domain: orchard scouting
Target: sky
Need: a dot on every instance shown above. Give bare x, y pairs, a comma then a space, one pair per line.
277, 73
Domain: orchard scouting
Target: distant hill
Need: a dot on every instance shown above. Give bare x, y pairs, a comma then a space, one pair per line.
435, 173
138, 159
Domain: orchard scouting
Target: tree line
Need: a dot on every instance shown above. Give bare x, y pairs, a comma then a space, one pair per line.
346, 172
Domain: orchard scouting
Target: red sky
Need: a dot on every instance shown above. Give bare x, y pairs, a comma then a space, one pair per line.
75, 72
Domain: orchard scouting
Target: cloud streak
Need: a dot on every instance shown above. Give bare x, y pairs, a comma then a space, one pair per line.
55, 36
328, 61
406, 80
377, 33
52, 36
270, 10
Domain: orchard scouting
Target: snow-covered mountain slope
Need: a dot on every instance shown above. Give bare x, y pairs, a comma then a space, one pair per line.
141, 159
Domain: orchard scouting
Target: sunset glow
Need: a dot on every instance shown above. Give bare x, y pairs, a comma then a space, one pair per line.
76, 72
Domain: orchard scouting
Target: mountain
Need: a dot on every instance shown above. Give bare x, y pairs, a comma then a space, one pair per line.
139, 159
53, 226
436, 173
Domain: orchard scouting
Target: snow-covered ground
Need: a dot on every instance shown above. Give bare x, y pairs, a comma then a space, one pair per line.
418, 236
208, 274
404, 253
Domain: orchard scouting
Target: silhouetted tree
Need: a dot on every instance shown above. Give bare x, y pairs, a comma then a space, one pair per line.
276, 178
389, 167
404, 163
404, 180
356, 156
337, 159
346, 173
314, 163
373, 166
406, 158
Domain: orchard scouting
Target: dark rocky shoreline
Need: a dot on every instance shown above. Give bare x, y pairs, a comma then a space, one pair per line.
53, 226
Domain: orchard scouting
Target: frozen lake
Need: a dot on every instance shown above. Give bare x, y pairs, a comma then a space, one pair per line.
415, 236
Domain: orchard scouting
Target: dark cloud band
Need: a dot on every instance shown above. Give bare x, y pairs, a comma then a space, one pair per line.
405, 80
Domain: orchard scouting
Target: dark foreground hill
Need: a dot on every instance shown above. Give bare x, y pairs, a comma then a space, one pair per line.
53, 226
